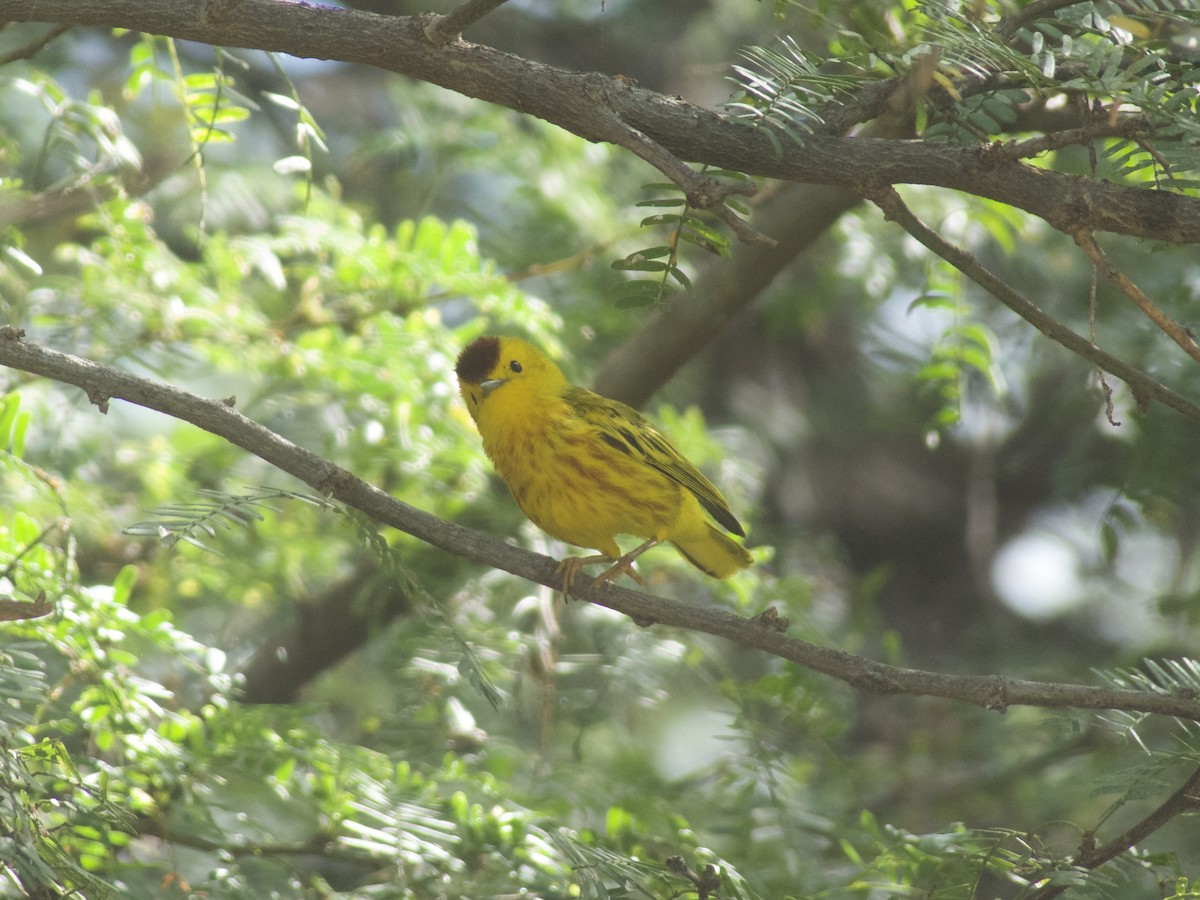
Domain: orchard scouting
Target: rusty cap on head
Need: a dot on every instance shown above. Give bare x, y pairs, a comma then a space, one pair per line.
478, 360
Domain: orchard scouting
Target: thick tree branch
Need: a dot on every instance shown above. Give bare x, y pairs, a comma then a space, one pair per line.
102, 384
1144, 387
689, 132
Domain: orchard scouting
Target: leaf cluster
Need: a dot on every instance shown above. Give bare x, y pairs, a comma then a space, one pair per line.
990, 71
687, 226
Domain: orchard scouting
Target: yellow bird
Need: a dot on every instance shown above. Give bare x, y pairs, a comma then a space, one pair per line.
585, 468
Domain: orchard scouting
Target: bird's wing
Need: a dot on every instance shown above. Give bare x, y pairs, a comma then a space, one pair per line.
625, 429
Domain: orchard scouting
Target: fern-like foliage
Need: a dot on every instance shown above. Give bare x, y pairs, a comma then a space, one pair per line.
35, 861
1111, 61
1130, 64
687, 225
605, 874
1176, 677
967, 47
192, 520
785, 86
189, 521
469, 665
782, 87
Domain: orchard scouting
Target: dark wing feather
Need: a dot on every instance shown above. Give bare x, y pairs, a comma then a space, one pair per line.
625, 429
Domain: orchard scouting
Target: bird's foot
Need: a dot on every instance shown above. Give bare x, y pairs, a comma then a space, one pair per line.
570, 567
623, 566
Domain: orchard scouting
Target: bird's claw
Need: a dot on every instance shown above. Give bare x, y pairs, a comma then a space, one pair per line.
570, 567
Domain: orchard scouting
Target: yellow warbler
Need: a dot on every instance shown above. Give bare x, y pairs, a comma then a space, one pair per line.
585, 468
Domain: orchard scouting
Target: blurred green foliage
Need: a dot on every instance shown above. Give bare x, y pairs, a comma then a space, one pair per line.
316, 245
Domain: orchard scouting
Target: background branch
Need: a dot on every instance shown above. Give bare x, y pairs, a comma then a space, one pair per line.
689, 132
795, 216
1142, 384
1176, 332
684, 324
325, 630
1185, 799
34, 47
102, 383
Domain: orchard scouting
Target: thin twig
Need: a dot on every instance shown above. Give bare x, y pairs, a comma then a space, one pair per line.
34, 47
1007, 28
702, 192
1133, 128
1176, 332
1144, 387
102, 383
1109, 408
1183, 800
443, 29
36, 542
740, 227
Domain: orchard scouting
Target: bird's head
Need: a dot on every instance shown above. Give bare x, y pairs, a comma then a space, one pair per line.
501, 371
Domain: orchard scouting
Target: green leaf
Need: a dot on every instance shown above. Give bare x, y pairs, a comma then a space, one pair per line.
661, 219
666, 201
123, 585
679, 276
633, 264
10, 404
635, 294
703, 236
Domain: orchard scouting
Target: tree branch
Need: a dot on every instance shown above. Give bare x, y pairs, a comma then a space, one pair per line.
1130, 128
1010, 25
1176, 332
689, 132
684, 324
444, 29
102, 384
324, 631
1185, 799
34, 47
1142, 384
323, 843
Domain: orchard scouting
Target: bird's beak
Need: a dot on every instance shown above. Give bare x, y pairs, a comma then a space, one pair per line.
491, 384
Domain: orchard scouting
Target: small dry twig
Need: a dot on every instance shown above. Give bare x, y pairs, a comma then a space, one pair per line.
444, 29
1175, 331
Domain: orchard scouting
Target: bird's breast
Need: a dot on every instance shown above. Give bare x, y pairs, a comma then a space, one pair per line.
575, 486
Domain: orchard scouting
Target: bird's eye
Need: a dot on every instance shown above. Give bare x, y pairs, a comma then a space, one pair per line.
515, 366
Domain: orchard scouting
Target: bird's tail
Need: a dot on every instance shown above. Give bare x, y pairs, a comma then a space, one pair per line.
714, 553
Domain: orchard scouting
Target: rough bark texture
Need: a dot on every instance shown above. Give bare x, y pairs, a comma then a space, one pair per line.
600, 108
